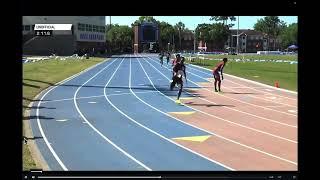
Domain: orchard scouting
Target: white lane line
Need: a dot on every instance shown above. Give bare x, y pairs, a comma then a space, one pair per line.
292, 111
166, 115
249, 147
272, 97
104, 137
241, 87
274, 94
62, 120
276, 106
37, 113
68, 99
118, 91
274, 121
92, 102
263, 132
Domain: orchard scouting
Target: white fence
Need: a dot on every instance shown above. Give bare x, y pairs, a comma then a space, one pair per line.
52, 57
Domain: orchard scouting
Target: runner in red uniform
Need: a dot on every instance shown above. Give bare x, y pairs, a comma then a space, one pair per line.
216, 73
175, 61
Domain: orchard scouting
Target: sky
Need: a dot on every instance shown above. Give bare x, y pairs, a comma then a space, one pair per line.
246, 22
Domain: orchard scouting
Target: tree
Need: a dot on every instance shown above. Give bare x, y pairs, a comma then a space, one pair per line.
271, 25
180, 27
218, 35
202, 31
289, 35
145, 19
224, 19
166, 33
119, 37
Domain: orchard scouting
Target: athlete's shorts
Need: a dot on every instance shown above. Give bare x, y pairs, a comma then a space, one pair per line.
177, 80
216, 75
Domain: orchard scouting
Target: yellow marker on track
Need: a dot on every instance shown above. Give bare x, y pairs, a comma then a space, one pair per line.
183, 112
186, 98
193, 138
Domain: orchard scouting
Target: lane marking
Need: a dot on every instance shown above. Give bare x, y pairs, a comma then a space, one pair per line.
163, 137
92, 102
249, 147
293, 111
263, 132
186, 98
272, 97
193, 138
39, 103
232, 108
62, 120
96, 130
276, 106
118, 91
120, 149
274, 94
183, 112
239, 87
67, 99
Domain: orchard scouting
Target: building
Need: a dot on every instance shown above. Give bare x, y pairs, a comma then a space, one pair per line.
187, 41
86, 36
251, 41
146, 37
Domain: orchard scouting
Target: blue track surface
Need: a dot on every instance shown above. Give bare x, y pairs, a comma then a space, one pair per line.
113, 117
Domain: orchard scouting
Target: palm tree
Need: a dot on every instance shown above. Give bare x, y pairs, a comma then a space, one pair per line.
181, 27
224, 19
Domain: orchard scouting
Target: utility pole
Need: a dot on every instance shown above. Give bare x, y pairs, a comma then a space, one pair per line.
238, 37
194, 41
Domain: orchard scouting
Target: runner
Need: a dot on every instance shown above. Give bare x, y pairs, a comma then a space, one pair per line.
216, 73
161, 58
168, 58
179, 70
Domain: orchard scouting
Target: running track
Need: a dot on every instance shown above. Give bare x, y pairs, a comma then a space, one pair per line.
120, 115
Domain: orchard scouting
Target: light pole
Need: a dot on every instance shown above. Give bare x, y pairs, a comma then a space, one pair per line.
238, 37
194, 41
173, 43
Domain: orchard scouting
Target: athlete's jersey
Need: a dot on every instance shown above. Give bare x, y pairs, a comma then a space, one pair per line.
218, 67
